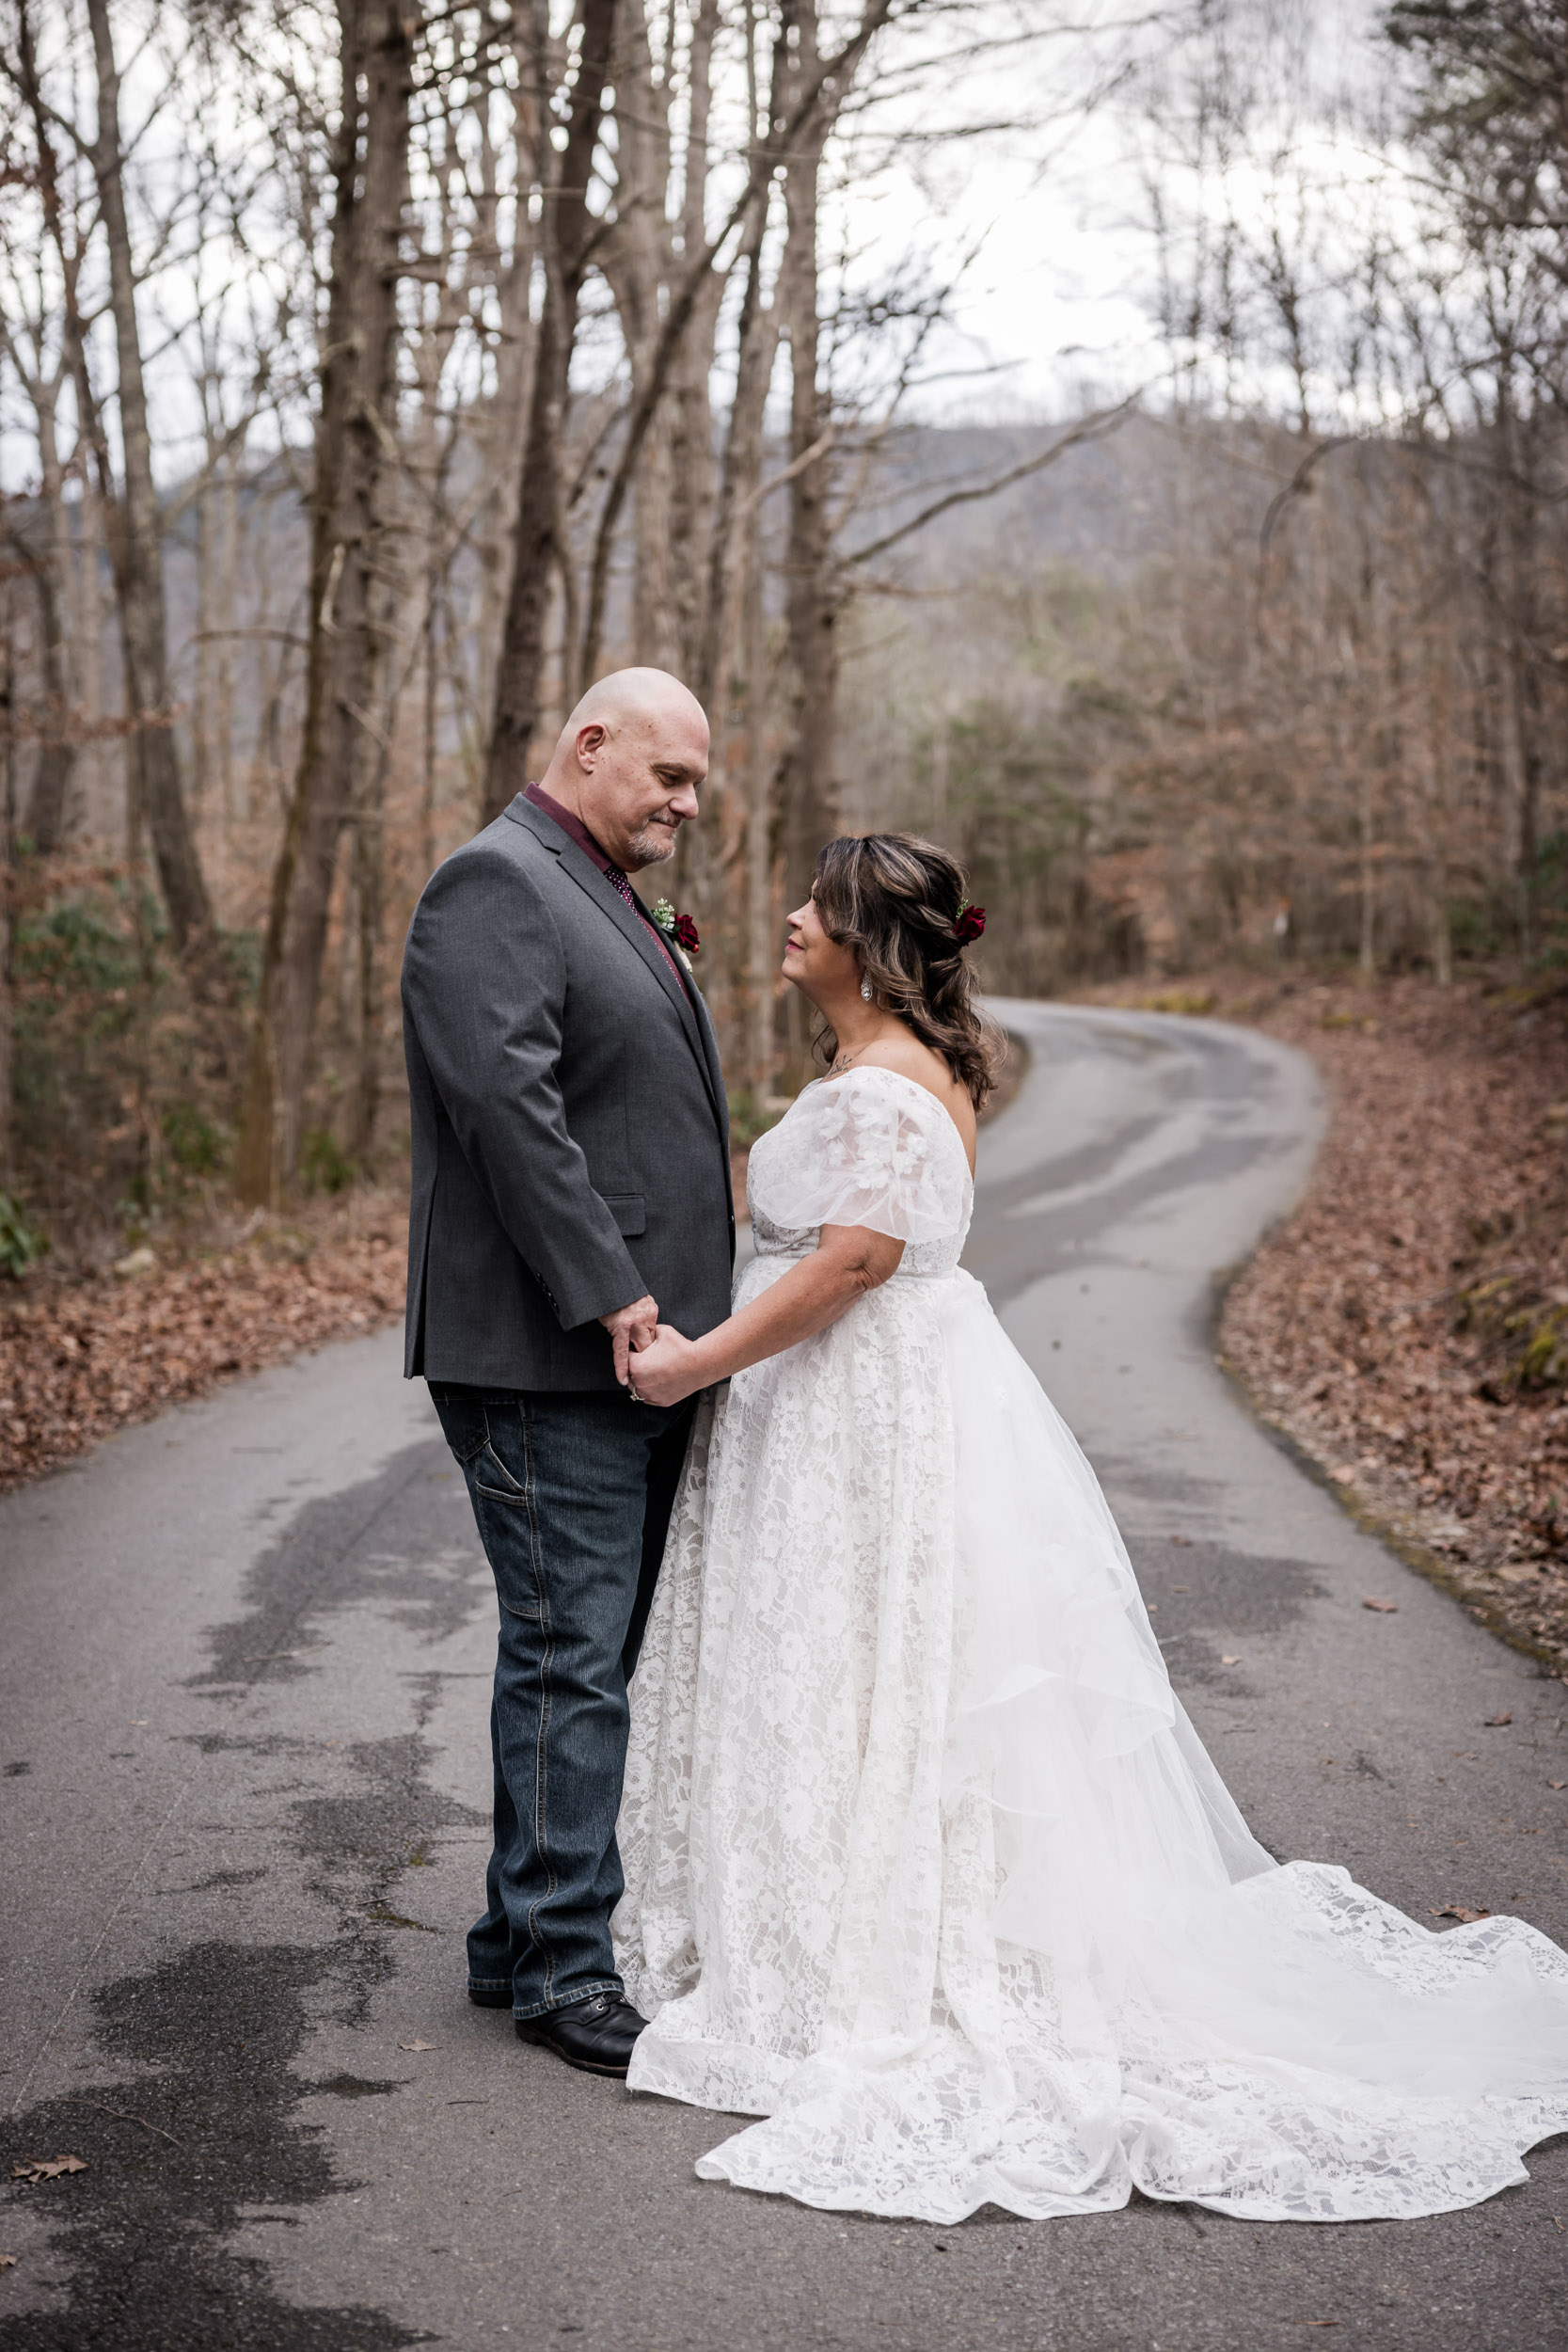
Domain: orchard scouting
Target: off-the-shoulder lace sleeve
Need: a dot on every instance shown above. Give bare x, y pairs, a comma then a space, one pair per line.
870, 1149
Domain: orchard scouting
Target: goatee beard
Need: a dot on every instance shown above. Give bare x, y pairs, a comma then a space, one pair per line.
655, 845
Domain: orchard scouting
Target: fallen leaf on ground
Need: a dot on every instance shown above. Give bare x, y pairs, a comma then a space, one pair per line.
1384, 1609
416, 2045
1229, 1662
232, 1305
47, 2169
1496, 1723
1557, 1783
7, 2261
1385, 1326
1460, 1910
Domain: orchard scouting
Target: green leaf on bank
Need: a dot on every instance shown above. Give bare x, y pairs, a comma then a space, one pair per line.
20, 1244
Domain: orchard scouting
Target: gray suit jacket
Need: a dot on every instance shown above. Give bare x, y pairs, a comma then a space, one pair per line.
570, 1132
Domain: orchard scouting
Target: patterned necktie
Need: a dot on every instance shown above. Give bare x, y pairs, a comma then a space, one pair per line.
619, 884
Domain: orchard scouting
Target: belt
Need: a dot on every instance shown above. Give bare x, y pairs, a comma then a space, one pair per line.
910, 1274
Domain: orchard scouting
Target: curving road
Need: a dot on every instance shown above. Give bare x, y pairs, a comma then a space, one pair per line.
243, 1741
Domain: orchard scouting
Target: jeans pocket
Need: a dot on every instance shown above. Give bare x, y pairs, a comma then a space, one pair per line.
493, 1480
465, 1423
503, 1501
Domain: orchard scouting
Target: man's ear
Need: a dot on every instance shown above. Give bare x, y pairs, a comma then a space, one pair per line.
590, 742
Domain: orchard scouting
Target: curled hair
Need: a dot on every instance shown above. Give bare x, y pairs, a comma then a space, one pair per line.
895, 900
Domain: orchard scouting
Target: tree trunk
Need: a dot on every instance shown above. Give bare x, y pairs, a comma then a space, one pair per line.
506, 422
83, 566
740, 470
811, 598
46, 803
737, 829
567, 231
638, 259
683, 542
431, 679
7, 912
1523, 628
353, 580
371, 896
138, 563
690, 427
1367, 878
228, 558
763, 947
739, 488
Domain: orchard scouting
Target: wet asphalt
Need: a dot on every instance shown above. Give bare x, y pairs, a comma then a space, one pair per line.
242, 1782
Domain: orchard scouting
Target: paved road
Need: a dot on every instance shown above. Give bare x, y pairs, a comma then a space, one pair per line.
242, 1730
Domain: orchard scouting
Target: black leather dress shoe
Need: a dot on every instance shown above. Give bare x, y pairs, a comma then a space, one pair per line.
483, 1997
596, 2034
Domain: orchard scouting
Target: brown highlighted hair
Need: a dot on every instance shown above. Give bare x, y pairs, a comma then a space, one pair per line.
895, 899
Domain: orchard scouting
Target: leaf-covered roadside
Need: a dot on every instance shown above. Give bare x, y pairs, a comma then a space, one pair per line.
83, 1355
1408, 1326
80, 1358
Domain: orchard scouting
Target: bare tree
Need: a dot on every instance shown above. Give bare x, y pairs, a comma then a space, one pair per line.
811, 592
353, 592
57, 755
568, 232
8, 911
136, 548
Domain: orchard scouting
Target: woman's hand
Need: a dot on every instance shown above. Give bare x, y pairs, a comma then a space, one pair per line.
667, 1371
848, 1260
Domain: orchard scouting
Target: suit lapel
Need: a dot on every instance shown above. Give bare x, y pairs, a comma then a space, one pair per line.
637, 933
710, 1044
640, 932
695, 1004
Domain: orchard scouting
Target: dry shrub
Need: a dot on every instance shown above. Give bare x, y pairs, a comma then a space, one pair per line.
125, 1088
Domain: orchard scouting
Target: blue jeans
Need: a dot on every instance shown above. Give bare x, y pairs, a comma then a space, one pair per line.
573, 1496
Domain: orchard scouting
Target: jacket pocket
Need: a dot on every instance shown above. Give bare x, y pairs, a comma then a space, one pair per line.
629, 1209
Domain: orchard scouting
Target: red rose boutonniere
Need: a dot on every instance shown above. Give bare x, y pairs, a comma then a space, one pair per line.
679, 930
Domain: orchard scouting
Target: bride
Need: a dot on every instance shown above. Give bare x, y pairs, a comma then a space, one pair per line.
925, 1864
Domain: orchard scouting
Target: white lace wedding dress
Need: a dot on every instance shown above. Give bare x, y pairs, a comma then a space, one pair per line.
925, 1864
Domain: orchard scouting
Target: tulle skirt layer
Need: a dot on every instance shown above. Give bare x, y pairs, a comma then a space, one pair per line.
926, 1868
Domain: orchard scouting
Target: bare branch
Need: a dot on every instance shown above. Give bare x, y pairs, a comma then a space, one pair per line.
1092, 429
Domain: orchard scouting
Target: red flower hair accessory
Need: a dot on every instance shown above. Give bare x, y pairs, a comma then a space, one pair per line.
971, 923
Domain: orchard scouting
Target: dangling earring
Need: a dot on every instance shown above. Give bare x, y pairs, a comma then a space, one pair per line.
865, 990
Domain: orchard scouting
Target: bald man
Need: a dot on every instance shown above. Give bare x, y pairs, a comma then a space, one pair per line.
571, 1186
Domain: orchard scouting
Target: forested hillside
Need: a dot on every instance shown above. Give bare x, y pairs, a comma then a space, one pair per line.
346, 438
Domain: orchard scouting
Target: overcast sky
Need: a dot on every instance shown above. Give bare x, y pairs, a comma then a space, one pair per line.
1055, 307
1061, 299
